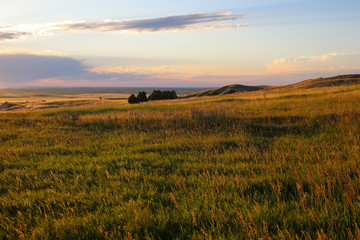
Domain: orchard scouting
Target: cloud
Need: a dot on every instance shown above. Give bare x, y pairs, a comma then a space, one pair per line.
134, 70
321, 63
174, 22
21, 70
186, 22
33, 70
12, 35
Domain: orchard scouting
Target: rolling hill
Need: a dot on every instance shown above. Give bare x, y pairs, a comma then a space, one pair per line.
234, 88
327, 82
306, 84
22, 99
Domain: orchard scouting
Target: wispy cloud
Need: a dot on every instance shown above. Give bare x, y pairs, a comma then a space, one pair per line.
12, 35
174, 22
186, 22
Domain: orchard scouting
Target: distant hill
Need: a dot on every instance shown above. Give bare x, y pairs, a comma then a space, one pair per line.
234, 88
311, 83
327, 82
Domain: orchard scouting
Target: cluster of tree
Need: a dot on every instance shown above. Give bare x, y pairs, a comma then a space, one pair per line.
159, 95
141, 97
155, 95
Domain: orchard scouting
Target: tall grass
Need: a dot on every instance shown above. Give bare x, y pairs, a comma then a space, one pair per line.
244, 166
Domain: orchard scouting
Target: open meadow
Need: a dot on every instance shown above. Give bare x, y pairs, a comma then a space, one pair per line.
277, 163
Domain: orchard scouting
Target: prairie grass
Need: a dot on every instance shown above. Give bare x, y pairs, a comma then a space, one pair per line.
271, 164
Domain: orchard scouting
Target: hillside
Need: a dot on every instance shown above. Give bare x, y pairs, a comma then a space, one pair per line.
327, 82
234, 88
306, 84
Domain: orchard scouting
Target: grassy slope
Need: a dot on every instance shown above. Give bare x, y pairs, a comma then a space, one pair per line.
340, 80
327, 82
275, 163
225, 90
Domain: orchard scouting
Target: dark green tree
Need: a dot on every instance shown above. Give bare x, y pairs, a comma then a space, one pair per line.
132, 99
142, 97
158, 95
173, 94
155, 95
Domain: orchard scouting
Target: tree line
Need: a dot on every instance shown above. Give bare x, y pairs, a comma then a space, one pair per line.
155, 95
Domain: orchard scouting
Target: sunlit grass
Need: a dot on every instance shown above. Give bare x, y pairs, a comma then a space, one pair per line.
276, 164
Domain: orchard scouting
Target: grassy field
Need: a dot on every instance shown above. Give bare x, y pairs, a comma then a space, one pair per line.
270, 164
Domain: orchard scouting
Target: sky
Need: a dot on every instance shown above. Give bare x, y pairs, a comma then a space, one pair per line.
187, 43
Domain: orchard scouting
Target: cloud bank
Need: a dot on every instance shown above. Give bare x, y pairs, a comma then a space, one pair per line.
20, 68
23, 70
34, 70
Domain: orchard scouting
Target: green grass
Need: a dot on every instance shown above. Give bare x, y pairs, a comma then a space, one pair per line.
241, 166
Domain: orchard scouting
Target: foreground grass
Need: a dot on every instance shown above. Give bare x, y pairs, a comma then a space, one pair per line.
271, 165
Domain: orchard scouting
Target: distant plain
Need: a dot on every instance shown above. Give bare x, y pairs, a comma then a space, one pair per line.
42, 98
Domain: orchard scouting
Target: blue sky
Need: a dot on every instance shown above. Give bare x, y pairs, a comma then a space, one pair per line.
175, 43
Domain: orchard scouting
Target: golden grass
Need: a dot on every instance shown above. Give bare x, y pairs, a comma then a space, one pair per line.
271, 164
